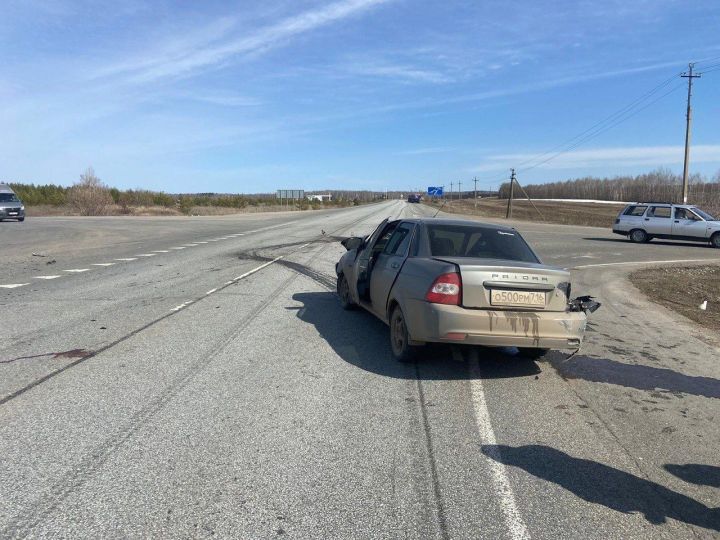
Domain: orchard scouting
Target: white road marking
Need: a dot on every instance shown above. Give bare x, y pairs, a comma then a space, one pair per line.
45, 277
201, 242
103, 264
190, 245
161, 251
127, 259
183, 305
503, 490
250, 272
645, 262
146, 255
180, 247
13, 285
211, 291
77, 270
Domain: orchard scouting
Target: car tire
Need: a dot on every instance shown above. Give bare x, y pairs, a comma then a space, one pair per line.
532, 353
399, 337
343, 291
715, 240
639, 236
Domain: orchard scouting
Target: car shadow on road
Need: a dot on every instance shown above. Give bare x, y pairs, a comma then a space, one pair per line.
655, 242
632, 375
361, 339
703, 475
601, 484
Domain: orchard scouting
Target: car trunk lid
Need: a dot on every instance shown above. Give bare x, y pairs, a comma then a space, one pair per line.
500, 284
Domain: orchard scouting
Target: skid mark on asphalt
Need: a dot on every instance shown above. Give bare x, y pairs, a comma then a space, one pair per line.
73, 353
511, 515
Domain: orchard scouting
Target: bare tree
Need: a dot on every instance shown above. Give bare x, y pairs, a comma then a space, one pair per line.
90, 196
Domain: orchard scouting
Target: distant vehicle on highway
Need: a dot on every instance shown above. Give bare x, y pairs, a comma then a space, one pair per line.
414, 198
11, 207
641, 222
461, 282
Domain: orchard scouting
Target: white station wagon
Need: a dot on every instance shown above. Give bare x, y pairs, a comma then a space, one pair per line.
641, 222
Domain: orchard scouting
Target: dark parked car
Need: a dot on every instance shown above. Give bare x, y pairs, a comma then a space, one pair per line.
462, 282
414, 198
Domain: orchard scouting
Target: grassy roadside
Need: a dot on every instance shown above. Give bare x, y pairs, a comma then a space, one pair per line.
683, 289
565, 213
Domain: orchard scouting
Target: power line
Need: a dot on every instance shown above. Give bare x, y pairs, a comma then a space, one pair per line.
608, 127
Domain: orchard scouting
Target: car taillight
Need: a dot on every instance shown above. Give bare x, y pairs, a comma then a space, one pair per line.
446, 289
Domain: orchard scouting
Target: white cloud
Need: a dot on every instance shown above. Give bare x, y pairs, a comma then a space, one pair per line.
214, 46
652, 156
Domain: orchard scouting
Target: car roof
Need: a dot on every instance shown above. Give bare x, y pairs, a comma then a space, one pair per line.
456, 222
665, 204
4, 188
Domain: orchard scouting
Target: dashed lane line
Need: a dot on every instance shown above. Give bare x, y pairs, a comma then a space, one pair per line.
127, 259
162, 251
46, 277
103, 264
146, 255
13, 285
77, 270
177, 248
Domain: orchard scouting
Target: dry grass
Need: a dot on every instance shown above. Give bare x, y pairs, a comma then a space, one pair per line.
565, 213
117, 210
683, 289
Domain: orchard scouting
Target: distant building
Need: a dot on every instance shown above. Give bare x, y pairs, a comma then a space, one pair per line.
320, 197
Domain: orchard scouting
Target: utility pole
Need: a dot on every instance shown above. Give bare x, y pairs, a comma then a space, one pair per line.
451, 185
475, 191
689, 76
508, 213
459, 187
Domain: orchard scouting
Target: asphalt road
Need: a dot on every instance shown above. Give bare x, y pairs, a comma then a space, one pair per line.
219, 390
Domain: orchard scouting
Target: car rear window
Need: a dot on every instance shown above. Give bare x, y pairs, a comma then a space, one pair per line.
635, 210
478, 242
8, 197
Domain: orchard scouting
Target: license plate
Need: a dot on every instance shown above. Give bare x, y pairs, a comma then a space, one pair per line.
517, 298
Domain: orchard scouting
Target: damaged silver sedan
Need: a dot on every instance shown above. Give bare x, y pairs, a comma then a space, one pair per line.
460, 282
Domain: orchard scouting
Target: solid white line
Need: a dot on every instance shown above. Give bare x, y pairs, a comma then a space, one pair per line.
127, 259
161, 251
502, 488
250, 272
211, 291
77, 270
644, 262
45, 277
13, 285
145, 255
103, 264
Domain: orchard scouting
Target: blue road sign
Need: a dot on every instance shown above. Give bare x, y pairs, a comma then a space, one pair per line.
435, 191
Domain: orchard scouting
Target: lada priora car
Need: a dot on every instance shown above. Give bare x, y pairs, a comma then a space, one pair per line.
460, 282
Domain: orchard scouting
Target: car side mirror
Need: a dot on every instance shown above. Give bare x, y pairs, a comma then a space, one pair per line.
354, 242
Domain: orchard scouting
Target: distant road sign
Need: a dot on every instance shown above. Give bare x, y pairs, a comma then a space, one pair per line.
290, 194
435, 191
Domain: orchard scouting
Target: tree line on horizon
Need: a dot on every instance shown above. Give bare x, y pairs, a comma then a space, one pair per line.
660, 185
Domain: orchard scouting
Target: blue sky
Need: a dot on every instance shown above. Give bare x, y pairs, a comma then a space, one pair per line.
357, 94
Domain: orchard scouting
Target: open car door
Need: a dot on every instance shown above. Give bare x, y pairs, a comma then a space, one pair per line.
362, 262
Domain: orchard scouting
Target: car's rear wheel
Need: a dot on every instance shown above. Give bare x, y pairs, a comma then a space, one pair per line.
399, 337
715, 240
343, 290
639, 236
532, 353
